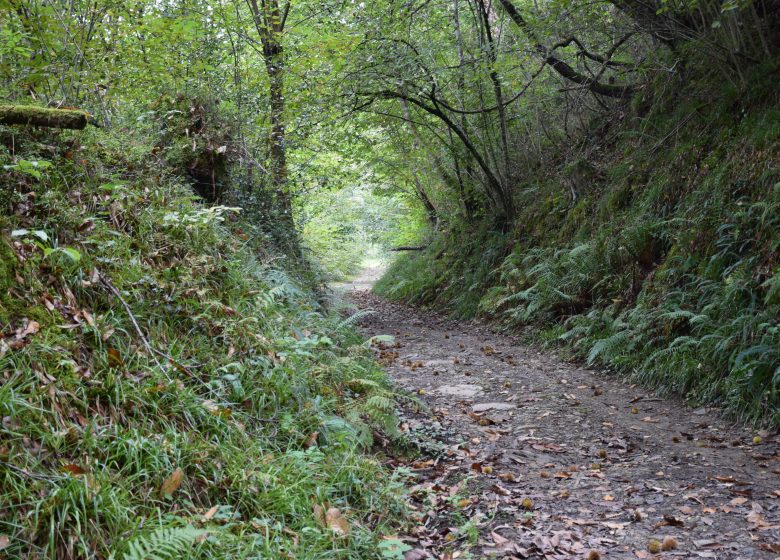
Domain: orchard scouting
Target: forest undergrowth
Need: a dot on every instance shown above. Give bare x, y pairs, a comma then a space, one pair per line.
654, 255
169, 389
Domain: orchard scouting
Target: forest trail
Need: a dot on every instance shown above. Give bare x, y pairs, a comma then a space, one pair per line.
539, 458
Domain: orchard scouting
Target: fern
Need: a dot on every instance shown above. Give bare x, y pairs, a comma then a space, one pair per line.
607, 345
355, 317
381, 403
163, 544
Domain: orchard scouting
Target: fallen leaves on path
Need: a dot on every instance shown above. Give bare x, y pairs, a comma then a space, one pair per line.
535, 458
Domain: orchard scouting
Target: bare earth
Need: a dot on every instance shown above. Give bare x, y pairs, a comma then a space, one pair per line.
527, 456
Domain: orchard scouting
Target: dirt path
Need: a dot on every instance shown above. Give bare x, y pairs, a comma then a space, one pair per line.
531, 457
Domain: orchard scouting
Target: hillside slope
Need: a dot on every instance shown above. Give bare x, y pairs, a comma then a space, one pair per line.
651, 246
163, 388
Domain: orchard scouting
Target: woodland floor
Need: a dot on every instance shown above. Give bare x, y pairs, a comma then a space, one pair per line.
524, 455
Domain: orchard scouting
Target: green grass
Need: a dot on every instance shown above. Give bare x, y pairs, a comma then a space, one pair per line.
242, 368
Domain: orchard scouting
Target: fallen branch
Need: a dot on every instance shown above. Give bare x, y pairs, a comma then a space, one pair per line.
420, 248
28, 115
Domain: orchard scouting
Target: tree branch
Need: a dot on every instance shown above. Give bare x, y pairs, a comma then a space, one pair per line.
564, 69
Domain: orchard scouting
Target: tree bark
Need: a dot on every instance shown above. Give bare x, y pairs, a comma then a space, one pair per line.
269, 19
41, 116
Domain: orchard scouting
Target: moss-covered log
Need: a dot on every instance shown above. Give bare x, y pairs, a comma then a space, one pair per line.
41, 116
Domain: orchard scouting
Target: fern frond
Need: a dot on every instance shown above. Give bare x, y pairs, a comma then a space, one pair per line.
607, 345
165, 543
355, 317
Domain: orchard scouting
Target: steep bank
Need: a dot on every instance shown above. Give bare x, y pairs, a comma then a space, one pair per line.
652, 246
164, 388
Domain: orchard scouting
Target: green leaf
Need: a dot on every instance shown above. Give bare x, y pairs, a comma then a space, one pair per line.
40, 234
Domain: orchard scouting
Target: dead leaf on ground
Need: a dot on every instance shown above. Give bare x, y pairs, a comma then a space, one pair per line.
336, 522
172, 483
32, 328
73, 469
115, 358
311, 440
757, 520
670, 521
319, 514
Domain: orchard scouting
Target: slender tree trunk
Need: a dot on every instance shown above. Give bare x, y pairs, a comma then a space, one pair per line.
269, 20
430, 209
506, 194
278, 149
466, 197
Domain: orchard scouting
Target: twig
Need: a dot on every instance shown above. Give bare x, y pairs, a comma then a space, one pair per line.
107, 283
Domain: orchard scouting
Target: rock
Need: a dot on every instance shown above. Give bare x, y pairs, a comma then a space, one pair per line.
465, 391
492, 406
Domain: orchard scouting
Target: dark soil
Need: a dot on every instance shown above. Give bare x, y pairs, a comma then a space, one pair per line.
527, 456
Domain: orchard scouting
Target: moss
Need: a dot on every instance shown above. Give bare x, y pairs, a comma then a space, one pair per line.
42, 116
7, 274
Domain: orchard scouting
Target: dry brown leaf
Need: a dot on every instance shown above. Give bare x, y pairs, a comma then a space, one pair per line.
73, 469
756, 518
311, 440
32, 328
211, 406
5, 540
172, 483
210, 513
115, 358
336, 522
319, 514
88, 318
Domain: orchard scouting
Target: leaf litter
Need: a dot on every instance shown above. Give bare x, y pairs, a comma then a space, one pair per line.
521, 469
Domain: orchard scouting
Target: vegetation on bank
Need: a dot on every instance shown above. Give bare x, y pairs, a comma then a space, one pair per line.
662, 262
167, 387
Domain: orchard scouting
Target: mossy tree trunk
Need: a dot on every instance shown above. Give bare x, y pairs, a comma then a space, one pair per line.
40, 116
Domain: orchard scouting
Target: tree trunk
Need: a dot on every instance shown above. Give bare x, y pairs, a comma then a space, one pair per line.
278, 149
466, 197
269, 20
506, 194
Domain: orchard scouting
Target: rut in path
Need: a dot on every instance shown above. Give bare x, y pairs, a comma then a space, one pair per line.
544, 459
